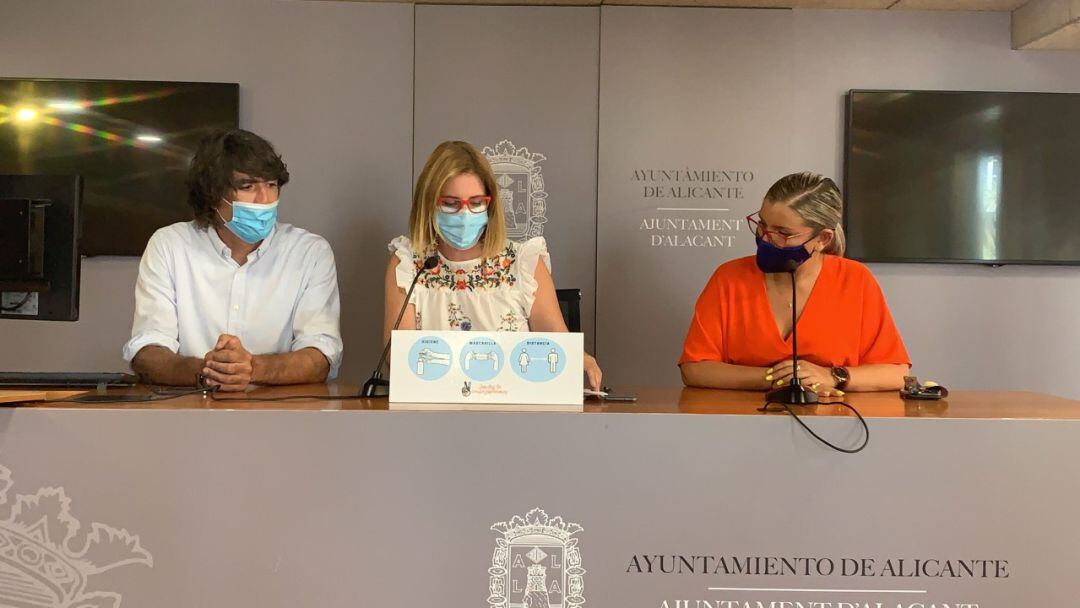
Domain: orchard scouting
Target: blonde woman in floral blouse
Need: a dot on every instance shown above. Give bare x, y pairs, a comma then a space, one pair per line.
484, 281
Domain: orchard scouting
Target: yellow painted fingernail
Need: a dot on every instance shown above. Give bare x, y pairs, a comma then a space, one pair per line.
769, 371
840, 393
779, 382
768, 378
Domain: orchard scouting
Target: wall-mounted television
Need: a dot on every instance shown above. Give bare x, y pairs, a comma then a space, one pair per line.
131, 141
963, 177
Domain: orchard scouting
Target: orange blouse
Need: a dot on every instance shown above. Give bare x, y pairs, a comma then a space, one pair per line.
845, 321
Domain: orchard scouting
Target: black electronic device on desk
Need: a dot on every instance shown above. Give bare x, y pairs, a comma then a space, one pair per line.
608, 394
929, 390
66, 380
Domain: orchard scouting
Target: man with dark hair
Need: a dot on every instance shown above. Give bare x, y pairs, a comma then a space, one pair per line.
235, 298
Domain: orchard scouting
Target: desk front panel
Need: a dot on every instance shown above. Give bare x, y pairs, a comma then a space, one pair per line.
375, 508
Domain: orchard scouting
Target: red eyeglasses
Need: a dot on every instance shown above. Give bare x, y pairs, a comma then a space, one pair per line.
453, 204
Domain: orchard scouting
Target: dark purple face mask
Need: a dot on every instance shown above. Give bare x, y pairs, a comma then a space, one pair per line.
771, 258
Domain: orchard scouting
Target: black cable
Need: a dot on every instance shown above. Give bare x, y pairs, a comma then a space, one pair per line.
155, 395
866, 429
26, 298
214, 397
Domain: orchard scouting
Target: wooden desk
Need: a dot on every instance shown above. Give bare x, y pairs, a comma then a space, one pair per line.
23, 396
651, 400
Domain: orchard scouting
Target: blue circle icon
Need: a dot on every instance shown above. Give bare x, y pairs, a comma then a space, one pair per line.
430, 358
482, 359
537, 360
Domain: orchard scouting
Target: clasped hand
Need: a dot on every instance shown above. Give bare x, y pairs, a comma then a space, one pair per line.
229, 366
812, 376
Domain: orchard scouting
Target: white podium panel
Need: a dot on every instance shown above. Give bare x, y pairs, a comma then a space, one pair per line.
486, 368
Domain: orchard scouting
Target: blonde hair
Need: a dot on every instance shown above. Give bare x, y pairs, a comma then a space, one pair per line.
448, 160
818, 202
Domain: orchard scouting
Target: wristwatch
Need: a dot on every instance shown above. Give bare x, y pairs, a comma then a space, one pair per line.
840, 376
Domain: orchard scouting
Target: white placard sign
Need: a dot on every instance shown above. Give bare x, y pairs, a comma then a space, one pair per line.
469, 367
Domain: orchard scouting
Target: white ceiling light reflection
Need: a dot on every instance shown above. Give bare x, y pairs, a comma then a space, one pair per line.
150, 139
62, 105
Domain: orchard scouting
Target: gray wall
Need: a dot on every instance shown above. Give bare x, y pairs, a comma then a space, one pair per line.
332, 85
681, 89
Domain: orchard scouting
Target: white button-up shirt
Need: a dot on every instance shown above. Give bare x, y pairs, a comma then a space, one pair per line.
190, 291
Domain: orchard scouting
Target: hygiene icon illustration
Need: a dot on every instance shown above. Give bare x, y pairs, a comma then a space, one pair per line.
430, 358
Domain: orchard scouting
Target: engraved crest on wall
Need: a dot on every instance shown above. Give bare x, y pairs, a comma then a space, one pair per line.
49, 560
521, 188
536, 563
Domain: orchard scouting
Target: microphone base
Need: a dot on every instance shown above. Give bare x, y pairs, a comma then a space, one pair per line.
792, 395
376, 388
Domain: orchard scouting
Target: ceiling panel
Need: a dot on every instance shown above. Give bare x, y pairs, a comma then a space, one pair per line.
857, 4
956, 5
1068, 37
959, 5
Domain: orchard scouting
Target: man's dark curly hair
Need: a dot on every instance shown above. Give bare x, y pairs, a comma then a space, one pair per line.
210, 177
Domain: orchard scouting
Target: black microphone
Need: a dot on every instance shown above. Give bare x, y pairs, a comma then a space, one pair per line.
795, 393
377, 386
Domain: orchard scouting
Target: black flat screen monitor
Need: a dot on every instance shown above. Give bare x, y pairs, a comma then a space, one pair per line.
131, 141
39, 247
966, 177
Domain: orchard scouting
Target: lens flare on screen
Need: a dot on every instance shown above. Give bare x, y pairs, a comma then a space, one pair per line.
25, 114
109, 101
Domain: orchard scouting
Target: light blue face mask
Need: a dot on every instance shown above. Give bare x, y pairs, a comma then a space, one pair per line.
252, 222
462, 230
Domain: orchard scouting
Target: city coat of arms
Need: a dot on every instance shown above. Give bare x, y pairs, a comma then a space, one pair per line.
536, 563
521, 188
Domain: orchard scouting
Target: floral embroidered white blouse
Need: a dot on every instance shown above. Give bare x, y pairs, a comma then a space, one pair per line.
483, 294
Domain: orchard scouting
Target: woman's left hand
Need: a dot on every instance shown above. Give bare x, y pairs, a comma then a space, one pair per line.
592, 372
814, 377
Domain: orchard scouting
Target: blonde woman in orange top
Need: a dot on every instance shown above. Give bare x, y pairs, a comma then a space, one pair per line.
740, 335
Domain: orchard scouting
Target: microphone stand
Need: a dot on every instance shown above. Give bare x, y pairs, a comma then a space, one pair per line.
377, 386
795, 393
